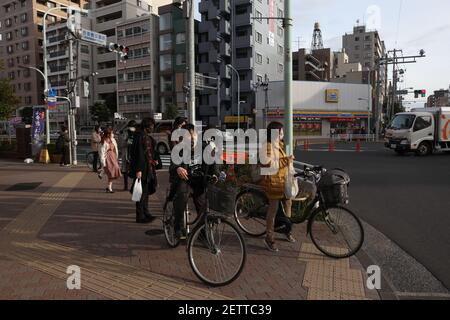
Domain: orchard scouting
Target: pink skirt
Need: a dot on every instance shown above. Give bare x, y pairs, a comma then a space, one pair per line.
112, 169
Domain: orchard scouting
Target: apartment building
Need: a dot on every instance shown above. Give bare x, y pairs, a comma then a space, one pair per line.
137, 78
172, 57
234, 32
21, 40
313, 65
59, 70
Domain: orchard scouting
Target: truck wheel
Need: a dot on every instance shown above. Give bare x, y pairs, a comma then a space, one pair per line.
424, 149
162, 149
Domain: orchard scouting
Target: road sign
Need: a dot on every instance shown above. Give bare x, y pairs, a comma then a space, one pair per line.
93, 37
51, 102
52, 92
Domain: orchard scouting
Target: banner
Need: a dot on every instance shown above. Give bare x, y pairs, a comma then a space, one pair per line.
38, 129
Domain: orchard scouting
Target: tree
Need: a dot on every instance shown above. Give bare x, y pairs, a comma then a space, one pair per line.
8, 100
100, 112
171, 112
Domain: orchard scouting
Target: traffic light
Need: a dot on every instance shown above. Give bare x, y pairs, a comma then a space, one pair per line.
121, 50
420, 93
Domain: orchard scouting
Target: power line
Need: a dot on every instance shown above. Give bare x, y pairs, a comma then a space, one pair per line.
398, 21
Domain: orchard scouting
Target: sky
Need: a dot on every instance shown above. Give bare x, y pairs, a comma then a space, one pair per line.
409, 25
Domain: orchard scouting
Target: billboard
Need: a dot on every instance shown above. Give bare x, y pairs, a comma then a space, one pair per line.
332, 95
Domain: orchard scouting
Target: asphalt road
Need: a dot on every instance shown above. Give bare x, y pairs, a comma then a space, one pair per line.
406, 198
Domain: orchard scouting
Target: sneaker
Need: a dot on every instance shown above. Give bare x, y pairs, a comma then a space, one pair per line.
271, 246
290, 238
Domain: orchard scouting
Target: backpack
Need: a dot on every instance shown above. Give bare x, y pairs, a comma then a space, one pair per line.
60, 143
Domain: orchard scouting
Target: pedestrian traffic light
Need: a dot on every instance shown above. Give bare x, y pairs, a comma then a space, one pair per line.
424, 93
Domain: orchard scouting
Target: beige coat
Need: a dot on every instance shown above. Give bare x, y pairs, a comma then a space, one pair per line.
96, 138
274, 184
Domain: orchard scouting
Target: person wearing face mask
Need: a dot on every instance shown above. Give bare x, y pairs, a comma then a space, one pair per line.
145, 160
274, 183
126, 148
187, 178
109, 158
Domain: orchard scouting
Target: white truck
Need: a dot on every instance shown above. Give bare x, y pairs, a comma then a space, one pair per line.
421, 131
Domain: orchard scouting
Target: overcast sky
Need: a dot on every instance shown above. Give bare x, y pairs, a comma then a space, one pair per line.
410, 25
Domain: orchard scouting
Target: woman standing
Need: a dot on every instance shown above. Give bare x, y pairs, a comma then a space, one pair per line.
109, 158
274, 183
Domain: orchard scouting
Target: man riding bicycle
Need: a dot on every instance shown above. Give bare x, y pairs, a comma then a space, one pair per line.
187, 178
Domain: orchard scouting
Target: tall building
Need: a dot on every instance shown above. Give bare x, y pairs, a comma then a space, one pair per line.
172, 57
21, 40
440, 98
234, 32
59, 71
137, 77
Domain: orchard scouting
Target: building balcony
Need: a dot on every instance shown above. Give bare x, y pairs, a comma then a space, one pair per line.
225, 27
244, 19
214, 36
244, 42
225, 6
225, 49
244, 64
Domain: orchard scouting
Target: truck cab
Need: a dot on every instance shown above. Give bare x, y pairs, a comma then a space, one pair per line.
411, 132
421, 131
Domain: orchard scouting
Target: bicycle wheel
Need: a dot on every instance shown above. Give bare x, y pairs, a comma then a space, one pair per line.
216, 252
90, 160
336, 232
250, 212
169, 226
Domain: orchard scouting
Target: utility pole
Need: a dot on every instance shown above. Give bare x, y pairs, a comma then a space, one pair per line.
191, 59
289, 112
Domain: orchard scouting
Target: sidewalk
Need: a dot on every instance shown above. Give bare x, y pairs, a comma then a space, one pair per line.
65, 219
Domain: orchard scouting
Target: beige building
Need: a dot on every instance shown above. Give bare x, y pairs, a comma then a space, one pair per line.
21, 40
342, 65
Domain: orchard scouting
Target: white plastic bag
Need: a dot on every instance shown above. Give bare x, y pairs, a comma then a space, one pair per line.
137, 191
291, 188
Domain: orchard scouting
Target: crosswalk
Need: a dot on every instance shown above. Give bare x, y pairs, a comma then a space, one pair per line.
165, 159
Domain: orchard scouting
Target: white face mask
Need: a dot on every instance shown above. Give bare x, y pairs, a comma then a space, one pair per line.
132, 129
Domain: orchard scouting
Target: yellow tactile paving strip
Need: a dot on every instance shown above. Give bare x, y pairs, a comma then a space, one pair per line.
109, 278
329, 279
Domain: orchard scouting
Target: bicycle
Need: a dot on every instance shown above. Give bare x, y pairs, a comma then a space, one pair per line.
216, 249
334, 229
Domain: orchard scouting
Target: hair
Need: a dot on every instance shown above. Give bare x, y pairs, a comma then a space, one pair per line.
132, 124
273, 126
97, 128
148, 123
189, 127
107, 134
178, 121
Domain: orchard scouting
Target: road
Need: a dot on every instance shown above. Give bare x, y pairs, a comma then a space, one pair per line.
406, 198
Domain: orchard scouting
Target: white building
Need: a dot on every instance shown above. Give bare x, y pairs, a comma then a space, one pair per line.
320, 108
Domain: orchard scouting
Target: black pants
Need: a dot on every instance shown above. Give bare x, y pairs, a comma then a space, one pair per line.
142, 206
181, 199
65, 156
95, 163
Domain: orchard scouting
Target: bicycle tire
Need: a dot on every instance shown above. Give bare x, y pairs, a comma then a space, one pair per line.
321, 239
168, 226
195, 242
255, 219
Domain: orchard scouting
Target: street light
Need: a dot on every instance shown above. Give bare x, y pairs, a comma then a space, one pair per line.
238, 92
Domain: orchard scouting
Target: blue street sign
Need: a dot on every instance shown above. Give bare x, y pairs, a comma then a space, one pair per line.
52, 92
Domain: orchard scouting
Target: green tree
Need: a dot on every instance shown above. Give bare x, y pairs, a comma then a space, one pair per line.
8, 100
100, 112
171, 112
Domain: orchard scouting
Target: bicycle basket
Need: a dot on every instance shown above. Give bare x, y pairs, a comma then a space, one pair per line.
334, 187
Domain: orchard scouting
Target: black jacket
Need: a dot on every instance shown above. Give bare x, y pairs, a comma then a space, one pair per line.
139, 159
205, 169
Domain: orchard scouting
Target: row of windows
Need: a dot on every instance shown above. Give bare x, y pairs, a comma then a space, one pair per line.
10, 35
260, 60
19, 60
133, 31
165, 40
18, 74
134, 76
165, 61
135, 99
18, 87
14, 5
12, 48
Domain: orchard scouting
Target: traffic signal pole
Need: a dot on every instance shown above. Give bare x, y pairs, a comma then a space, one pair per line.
191, 59
288, 78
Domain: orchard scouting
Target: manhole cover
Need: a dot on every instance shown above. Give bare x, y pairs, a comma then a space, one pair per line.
24, 186
153, 233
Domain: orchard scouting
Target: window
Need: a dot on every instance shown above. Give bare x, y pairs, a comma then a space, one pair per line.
146, 75
181, 59
259, 58
180, 38
165, 42
280, 68
84, 48
165, 62
85, 64
9, 49
280, 32
8, 22
356, 38
26, 59
25, 45
165, 22
259, 37
24, 31
27, 86
280, 50
258, 16
23, 17
422, 123
9, 36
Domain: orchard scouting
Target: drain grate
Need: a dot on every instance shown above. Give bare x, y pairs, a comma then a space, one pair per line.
24, 186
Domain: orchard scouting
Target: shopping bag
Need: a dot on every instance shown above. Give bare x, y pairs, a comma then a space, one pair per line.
291, 188
137, 191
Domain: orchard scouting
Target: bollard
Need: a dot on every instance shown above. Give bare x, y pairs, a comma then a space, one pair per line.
358, 146
306, 145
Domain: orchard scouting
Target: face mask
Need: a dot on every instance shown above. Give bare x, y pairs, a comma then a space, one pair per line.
132, 129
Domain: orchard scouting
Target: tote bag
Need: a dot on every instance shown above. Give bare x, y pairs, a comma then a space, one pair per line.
137, 191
